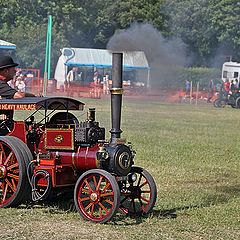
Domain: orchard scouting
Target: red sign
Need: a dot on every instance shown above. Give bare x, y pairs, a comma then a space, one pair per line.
18, 106
59, 139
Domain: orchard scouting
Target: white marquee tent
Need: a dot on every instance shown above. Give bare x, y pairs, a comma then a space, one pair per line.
6, 45
97, 58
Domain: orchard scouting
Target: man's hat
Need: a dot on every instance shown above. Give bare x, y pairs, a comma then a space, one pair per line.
7, 62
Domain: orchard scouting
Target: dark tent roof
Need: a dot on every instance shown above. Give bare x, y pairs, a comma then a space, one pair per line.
34, 103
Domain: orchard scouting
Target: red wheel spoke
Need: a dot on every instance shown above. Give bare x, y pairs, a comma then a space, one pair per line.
88, 185
100, 212
106, 187
95, 181
1, 157
14, 184
2, 188
13, 176
92, 209
104, 208
12, 166
10, 185
5, 193
83, 190
109, 201
145, 200
146, 182
84, 199
107, 194
99, 182
88, 206
8, 158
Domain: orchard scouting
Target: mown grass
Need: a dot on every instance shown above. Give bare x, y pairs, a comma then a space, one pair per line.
193, 154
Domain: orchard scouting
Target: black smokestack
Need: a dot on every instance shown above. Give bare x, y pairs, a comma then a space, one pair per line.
116, 96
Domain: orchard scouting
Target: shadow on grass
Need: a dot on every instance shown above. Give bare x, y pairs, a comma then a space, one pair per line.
221, 195
231, 191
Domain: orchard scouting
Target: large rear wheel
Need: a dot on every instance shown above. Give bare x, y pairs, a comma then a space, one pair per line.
97, 196
139, 193
14, 186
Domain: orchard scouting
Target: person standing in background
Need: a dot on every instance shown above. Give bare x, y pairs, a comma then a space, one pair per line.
20, 84
72, 77
232, 87
187, 87
236, 84
210, 90
227, 85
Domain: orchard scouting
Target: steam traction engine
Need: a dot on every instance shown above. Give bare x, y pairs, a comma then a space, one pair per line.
58, 153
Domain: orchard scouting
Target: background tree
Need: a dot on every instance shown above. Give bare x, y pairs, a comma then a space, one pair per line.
207, 27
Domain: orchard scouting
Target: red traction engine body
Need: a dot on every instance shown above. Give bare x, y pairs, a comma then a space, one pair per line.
59, 154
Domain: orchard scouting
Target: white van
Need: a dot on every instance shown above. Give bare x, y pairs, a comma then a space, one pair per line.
231, 71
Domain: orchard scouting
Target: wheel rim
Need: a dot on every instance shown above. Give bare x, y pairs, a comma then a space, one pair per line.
138, 197
217, 103
9, 174
222, 104
97, 197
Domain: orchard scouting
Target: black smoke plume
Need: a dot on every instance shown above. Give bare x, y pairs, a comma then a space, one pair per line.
165, 56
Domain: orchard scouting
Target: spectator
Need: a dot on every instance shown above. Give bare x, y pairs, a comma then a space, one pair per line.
227, 85
232, 87
210, 90
96, 84
72, 77
181, 95
236, 84
187, 87
106, 84
20, 84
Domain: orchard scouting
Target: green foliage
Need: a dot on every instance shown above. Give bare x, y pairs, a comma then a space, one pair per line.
204, 26
190, 21
225, 17
201, 75
177, 77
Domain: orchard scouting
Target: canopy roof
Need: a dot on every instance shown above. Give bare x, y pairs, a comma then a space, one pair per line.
35, 103
6, 45
101, 58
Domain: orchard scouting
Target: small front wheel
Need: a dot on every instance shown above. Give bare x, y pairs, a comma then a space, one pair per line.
138, 196
219, 103
97, 196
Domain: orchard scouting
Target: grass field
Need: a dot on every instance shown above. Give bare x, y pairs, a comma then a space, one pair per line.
193, 154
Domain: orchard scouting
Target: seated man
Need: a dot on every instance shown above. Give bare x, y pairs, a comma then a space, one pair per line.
7, 72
